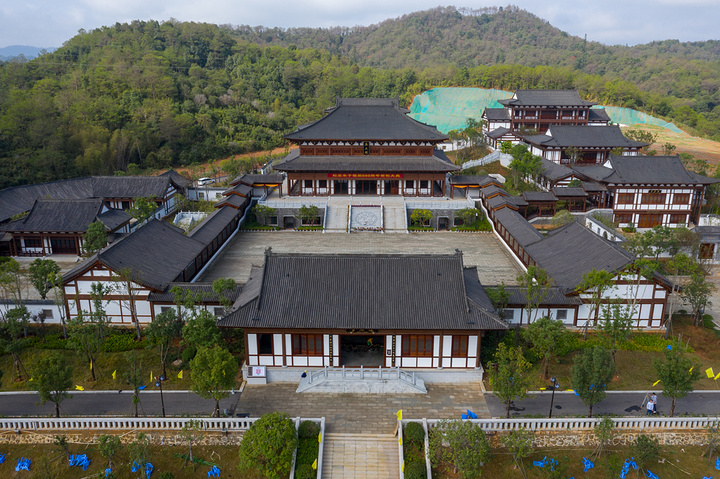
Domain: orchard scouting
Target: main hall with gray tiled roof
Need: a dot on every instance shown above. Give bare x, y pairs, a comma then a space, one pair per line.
483, 250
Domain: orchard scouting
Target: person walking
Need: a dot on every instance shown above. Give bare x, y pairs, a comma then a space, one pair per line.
654, 399
650, 407
645, 400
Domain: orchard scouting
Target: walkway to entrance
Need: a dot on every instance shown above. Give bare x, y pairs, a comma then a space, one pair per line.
363, 413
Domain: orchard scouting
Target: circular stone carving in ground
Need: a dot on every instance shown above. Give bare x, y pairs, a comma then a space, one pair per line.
366, 219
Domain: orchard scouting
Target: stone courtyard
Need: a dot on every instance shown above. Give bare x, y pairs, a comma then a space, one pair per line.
484, 250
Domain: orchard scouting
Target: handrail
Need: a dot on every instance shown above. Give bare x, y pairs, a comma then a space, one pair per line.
353, 374
571, 424
104, 423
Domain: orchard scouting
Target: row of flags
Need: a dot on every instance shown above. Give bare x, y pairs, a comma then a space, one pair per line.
709, 372
114, 376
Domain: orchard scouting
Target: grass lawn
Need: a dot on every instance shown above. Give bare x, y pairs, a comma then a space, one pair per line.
675, 462
635, 370
48, 461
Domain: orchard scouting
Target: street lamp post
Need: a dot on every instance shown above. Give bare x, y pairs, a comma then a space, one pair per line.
158, 383
554, 384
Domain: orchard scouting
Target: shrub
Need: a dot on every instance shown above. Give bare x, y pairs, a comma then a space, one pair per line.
307, 451
188, 354
267, 447
414, 433
305, 471
648, 342
122, 342
52, 341
415, 470
308, 430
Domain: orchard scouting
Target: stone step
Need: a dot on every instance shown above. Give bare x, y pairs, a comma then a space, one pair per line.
360, 456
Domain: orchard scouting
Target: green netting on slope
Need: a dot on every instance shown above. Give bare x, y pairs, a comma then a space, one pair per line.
627, 116
449, 108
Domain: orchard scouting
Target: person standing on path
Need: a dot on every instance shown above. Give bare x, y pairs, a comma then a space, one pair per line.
653, 398
645, 400
650, 408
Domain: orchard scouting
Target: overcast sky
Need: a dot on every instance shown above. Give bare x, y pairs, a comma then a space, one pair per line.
49, 23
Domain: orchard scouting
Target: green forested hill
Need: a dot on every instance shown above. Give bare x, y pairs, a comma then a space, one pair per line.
153, 95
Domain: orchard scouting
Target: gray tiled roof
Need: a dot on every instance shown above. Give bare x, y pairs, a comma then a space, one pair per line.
591, 186
235, 201
593, 172
598, 115
19, 199
493, 190
370, 163
546, 98
555, 296
555, 171
414, 292
482, 180
564, 136
254, 178
652, 170
155, 255
213, 224
203, 290
496, 114
498, 132
573, 250
567, 192
498, 201
539, 196
523, 232
239, 189
179, 179
367, 119
67, 216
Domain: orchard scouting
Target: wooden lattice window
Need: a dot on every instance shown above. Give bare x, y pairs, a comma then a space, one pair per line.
625, 198
417, 345
681, 198
653, 197
307, 344
460, 346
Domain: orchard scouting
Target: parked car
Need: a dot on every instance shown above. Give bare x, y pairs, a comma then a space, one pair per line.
205, 181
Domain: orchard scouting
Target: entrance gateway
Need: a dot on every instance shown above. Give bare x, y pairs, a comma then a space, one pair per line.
362, 350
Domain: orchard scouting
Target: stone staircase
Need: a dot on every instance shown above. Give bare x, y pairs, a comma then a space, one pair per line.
395, 214
337, 214
360, 456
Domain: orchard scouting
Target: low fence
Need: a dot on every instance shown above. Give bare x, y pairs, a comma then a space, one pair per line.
574, 424
125, 423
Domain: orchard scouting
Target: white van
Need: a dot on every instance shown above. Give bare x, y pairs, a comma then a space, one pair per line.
205, 181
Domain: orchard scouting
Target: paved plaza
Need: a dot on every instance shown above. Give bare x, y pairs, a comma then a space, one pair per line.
483, 250
363, 413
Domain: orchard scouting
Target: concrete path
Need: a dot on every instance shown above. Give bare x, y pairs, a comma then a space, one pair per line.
360, 456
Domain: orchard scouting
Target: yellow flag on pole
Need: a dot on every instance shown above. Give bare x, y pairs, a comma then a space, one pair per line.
718, 376
402, 467
319, 437
180, 374
314, 464
79, 388
399, 415
91, 365
151, 376
114, 374
710, 373
656, 382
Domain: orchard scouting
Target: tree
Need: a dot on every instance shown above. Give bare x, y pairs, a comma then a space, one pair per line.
562, 218
645, 450
668, 148
126, 290
59, 298
461, 443
52, 377
605, 433
134, 377
142, 209
108, 446
677, 374
161, 333
519, 445
421, 217
267, 447
616, 327
61, 443
544, 335
224, 288
190, 432
697, 294
573, 153
262, 213
713, 441
592, 371
309, 215
140, 452
499, 296
85, 338
468, 216
201, 331
535, 284
213, 372
595, 282
15, 342
11, 281
40, 272
510, 380
95, 238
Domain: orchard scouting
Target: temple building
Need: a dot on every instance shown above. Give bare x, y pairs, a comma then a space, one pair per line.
366, 147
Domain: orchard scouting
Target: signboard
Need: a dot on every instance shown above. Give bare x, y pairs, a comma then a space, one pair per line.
257, 372
377, 176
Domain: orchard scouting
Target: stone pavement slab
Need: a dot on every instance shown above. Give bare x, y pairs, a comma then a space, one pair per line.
363, 413
479, 249
360, 456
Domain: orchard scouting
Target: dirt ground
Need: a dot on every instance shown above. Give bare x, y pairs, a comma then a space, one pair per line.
698, 147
